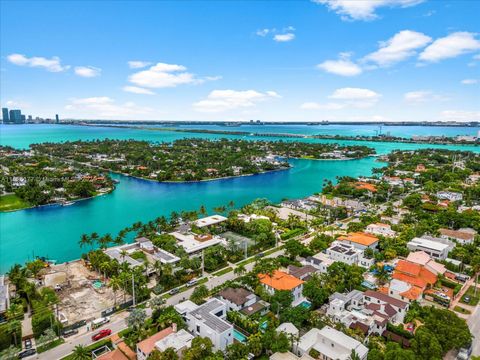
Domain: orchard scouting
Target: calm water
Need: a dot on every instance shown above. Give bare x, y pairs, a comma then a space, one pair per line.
54, 231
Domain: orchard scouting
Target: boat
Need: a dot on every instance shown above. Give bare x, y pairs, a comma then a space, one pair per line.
68, 203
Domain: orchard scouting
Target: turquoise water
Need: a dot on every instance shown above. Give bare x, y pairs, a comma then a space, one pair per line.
306, 304
54, 231
239, 336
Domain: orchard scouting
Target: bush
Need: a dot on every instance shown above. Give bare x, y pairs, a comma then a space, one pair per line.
399, 330
291, 233
44, 320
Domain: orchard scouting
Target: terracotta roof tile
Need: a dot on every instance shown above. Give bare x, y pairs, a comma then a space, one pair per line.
148, 344
360, 238
280, 280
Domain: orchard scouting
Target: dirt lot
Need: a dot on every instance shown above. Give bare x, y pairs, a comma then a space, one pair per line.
78, 298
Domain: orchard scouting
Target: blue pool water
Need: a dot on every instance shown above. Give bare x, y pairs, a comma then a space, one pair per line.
239, 336
306, 304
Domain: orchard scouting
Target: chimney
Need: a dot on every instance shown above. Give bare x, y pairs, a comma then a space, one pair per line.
174, 327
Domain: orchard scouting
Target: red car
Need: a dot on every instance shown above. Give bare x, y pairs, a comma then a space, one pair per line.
101, 334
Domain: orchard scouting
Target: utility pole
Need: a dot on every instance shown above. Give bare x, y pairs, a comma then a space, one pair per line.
203, 263
133, 288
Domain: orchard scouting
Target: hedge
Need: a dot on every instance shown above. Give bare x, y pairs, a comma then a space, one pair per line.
291, 233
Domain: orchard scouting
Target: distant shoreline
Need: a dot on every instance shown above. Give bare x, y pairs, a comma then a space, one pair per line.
442, 141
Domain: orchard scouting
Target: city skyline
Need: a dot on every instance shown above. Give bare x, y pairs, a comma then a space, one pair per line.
396, 60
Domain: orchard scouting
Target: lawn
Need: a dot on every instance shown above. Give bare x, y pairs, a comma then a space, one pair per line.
461, 310
12, 202
223, 271
50, 345
473, 299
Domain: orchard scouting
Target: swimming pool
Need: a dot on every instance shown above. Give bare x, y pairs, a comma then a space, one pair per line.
239, 336
306, 304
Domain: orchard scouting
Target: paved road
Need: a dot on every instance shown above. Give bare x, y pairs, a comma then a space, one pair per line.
474, 325
117, 322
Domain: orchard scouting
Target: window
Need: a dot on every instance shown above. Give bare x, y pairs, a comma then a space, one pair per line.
198, 329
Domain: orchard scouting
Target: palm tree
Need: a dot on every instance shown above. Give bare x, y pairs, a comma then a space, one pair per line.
81, 353
203, 210
123, 254
115, 283
231, 204
240, 269
14, 311
84, 240
94, 237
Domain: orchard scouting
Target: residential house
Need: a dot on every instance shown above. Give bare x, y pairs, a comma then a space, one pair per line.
145, 347
237, 298
302, 272
360, 240
178, 341
280, 280
320, 261
4, 295
410, 280
462, 236
437, 248
380, 229
423, 259
330, 344
194, 243
449, 195
209, 221
348, 254
208, 320
394, 308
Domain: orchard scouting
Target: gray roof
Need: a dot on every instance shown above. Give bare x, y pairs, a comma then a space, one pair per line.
115, 254
3, 294
205, 312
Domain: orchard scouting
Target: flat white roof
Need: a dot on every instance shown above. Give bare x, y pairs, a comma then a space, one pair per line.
191, 245
185, 306
428, 244
177, 340
210, 220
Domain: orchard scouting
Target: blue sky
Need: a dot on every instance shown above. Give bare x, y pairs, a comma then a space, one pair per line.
400, 60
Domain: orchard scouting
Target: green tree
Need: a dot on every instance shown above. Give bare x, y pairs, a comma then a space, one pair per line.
254, 344
281, 300
314, 291
199, 294
425, 345
236, 351
136, 318
80, 352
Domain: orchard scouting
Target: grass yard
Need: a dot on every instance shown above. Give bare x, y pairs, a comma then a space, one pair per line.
461, 310
223, 271
12, 202
50, 345
470, 293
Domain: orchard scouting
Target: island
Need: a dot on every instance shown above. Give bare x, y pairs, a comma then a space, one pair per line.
29, 179
194, 159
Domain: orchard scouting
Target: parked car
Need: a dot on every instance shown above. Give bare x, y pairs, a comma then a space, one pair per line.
68, 333
28, 344
174, 291
466, 299
27, 353
192, 282
464, 353
260, 255
99, 322
101, 334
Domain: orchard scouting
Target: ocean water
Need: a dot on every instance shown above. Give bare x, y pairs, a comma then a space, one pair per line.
54, 231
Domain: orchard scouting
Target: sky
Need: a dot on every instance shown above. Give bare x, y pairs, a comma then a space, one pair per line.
336, 60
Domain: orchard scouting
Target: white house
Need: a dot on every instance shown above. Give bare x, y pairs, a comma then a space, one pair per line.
320, 261
435, 247
449, 195
380, 229
208, 320
348, 254
330, 344
462, 236
283, 281
396, 309
237, 298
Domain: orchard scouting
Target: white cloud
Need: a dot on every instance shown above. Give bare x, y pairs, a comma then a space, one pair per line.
163, 75
417, 96
363, 9
105, 107
343, 66
460, 115
223, 100
87, 71
318, 106
213, 78
399, 47
450, 46
136, 64
52, 65
470, 81
17, 104
476, 57
137, 90
284, 37
264, 32
356, 97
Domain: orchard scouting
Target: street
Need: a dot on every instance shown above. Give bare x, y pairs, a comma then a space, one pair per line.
118, 323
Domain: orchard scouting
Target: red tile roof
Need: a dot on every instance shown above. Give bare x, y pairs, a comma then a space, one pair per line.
147, 345
280, 280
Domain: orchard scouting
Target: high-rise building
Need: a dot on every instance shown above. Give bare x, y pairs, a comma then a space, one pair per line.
30, 119
15, 116
5, 117
57, 120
